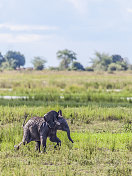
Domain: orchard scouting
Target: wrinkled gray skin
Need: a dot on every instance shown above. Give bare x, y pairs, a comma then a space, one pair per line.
38, 129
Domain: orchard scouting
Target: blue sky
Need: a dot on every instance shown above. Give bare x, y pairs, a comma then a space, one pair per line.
41, 28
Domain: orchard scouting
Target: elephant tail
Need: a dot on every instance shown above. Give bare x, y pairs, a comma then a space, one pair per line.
25, 117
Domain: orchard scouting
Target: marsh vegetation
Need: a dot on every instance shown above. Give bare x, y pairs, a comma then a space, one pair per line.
98, 109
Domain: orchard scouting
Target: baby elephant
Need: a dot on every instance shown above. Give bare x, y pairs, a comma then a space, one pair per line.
38, 129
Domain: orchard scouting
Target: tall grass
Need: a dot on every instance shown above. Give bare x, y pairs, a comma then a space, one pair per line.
97, 111
66, 86
96, 153
84, 114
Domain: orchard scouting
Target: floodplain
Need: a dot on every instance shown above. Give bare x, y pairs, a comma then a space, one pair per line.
98, 109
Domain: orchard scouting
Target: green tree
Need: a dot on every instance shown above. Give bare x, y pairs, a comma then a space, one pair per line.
77, 66
38, 63
122, 62
17, 57
114, 67
8, 65
116, 58
67, 57
2, 59
64, 64
101, 61
106, 62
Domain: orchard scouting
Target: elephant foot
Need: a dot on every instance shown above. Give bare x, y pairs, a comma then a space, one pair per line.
16, 147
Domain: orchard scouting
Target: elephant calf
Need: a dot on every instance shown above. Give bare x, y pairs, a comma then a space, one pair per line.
38, 129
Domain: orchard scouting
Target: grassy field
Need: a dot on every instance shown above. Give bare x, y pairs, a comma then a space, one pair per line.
98, 109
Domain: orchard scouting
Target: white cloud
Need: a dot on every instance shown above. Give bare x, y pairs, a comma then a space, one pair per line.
129, 10
80, 5
16, 27
22, 38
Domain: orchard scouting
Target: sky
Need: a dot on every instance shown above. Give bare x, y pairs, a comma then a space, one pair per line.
42, 27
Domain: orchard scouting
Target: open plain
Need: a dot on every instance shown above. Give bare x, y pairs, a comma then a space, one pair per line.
98, 109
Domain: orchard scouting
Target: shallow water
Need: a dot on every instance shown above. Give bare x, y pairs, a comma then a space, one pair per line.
14, 97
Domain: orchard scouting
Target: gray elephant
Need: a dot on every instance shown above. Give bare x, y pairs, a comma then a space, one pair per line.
38, 129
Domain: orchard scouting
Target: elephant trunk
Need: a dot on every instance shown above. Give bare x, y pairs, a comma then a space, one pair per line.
69, 137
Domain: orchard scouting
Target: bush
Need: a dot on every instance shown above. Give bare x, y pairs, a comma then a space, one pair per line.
115, 67
89, 69
77, 66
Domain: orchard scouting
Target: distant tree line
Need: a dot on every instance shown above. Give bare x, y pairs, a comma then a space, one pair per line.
68, 61
106, 62
12, 60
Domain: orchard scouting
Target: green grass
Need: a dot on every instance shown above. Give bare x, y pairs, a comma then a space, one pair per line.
81, 87
91, 152
101, 147
100, 119
93, 112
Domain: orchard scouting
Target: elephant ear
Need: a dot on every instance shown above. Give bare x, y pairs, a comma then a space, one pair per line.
60, 113
45, 117
50, 118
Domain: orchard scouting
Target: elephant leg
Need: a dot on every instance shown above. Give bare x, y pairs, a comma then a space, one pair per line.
43, 143
23, 142
37, 147
26, 139
57, 140
18, 146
